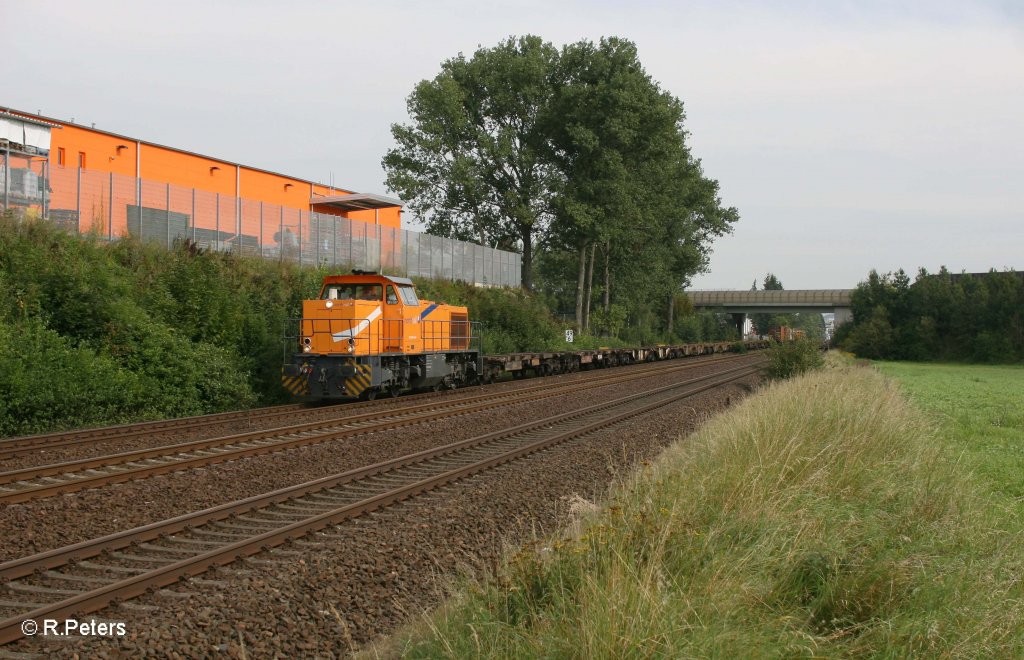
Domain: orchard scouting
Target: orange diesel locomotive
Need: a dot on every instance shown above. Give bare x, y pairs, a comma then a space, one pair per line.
369, 334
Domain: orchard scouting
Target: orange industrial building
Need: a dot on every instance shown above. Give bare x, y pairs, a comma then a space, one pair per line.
110, 185
71, 146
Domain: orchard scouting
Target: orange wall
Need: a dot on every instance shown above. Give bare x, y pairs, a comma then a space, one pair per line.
389, 217
100, 150
179, 168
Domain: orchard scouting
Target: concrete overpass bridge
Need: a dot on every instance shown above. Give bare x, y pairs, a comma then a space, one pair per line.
793, 301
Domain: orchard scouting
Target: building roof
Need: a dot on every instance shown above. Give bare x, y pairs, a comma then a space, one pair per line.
30, 120
58, 123
356, 201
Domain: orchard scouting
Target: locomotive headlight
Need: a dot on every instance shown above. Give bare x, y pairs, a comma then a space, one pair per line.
307, 341
351, 345
306, 349
329, 304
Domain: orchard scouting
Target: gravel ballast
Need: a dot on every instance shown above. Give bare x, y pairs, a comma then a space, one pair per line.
334, 591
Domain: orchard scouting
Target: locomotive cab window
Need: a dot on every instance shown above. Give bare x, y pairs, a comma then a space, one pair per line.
338, 292
368, 292
392, 296
352, 292
408, 295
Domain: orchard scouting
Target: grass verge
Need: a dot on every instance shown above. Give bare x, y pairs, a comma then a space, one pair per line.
825, 516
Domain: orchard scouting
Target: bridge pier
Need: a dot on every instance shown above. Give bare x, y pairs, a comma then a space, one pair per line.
842, 315
740, 319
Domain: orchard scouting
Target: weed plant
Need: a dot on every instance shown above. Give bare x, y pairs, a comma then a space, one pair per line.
792, 358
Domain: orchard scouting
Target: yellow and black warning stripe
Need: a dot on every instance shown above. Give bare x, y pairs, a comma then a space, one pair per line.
356, 383
297, 385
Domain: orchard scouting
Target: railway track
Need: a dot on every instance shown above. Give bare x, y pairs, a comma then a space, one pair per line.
12, 447
51, 480
23, 445
88, 576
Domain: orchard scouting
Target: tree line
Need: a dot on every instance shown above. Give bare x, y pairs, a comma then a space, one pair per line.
574, 156
942, 316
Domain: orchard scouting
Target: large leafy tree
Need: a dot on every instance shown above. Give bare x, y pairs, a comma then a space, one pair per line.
633, 196
613, 136
577, 152
473, 162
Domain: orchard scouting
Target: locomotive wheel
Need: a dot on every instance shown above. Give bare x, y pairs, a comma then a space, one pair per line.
369, 394
394, 391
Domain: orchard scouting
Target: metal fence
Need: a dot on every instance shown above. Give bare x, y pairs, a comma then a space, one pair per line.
113, 205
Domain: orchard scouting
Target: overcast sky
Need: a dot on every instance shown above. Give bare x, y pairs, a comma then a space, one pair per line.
850, 135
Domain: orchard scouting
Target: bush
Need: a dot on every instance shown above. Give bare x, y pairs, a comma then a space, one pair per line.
513, 320
48, 383
791, 358
95, 333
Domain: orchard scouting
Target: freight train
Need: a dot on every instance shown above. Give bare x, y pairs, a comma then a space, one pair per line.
785, 333
369, 334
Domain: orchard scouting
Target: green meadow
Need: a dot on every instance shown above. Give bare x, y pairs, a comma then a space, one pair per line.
981, 411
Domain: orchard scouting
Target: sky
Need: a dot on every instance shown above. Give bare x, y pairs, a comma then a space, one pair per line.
850, 135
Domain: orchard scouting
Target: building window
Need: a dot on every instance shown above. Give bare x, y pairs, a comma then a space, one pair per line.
81, 159
60, 156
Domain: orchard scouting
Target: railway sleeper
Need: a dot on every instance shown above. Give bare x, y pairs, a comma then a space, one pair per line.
142, 559
181, 541
20, 606
159, 548
57, 576
38, 589
107, 568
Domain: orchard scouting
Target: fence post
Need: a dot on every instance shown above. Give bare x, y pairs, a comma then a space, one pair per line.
46, 184
280, 238
261, 229
300, 238
110, 211
7, 178
193, 216
317, 236
217, 224
78, 199
167, 211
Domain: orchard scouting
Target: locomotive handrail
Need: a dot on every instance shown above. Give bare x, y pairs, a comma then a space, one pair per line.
435, 335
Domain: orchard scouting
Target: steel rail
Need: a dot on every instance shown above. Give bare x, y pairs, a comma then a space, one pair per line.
130, 587
326, 430
21, 445
12, 447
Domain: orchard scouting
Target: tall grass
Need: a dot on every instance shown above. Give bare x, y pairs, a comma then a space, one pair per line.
825, 516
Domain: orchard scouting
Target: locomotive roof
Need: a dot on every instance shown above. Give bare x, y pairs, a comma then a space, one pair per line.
397, 280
